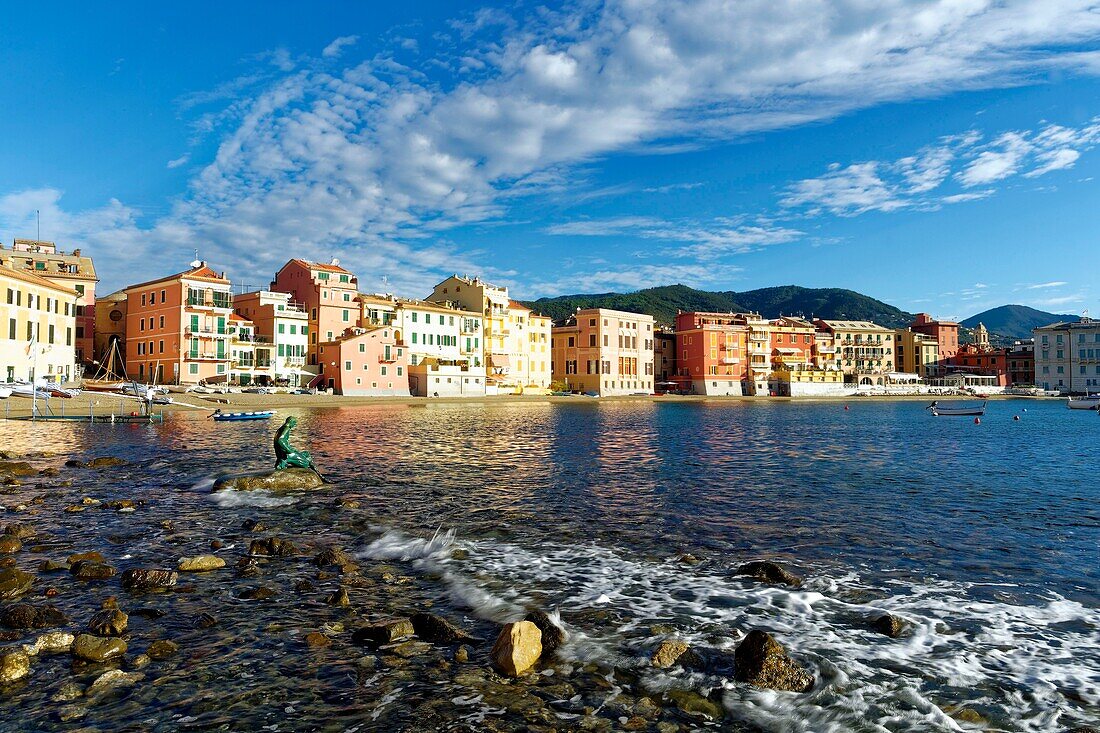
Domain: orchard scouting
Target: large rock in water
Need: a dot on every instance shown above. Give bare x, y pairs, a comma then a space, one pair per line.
437, 629
553, 635
14, 582
27, 616
763, 662
769, 572
97, 648
149, 578
283, 479
14, 665
517, 648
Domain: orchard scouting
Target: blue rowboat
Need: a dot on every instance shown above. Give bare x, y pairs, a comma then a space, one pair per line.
220, 416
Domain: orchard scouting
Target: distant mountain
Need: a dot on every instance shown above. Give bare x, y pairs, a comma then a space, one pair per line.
1015, 321
663, 302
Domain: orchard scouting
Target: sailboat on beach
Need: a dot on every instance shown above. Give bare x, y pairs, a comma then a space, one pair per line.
107, 379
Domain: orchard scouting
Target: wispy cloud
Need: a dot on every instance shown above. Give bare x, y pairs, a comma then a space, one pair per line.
338, 45
1051, 284
177, 162
701, 240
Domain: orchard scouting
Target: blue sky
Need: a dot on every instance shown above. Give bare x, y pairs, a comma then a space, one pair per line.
942, 156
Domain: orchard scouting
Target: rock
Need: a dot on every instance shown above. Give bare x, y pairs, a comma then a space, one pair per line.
693, 703
52, 566
14, 666
769, 572
91, 570
97, 648
148, 579
968, 715
253, 525
462, 654
286, 479
339, 598
762, 662
337, 557
205, 620
9, 545
671, 652
17, 468
200, 563
113, 678
68, 692
383, 632
148, 612
79, 556
317, 640
517, 648
888, 624
256, 594
141, 660
27, 616
14, 582
272, 547
54, 642
105, 462
109, 622
74, 463
553, 635
19, 530
437, 629
162, 649
216, 544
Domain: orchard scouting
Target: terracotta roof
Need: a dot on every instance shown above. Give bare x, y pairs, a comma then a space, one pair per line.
33, 279
203, 272
517, 305
318, 265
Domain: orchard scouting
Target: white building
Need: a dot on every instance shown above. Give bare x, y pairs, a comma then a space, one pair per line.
1067, 356
435, 378
280, 335
36, 310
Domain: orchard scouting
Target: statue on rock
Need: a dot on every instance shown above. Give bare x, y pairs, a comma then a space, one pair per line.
286, 456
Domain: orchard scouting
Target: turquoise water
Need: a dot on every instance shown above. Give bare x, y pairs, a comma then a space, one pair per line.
985, 537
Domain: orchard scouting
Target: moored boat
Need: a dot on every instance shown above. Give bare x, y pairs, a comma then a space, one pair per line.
5, 392
220, 416
1088, 402
956, 409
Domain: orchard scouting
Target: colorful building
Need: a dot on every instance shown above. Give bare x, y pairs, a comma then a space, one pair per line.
865, 350
1067, 356
110, 319
979, 358
529, 349
281, 336
431, 377
364, 362
328, 294
916, 353
946, 334
1021, 363
664, 358
604, 352
177, 328
713, 353
37, 327
792, 343
71, 270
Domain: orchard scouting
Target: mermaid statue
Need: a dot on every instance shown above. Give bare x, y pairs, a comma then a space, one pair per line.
286, 456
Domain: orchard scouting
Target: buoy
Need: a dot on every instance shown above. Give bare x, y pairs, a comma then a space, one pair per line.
846, 408
977, 421
1015, 417
1025, 409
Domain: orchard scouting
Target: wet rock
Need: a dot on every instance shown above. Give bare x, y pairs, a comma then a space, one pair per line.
27, 616
74, 463
671, 652
68, 692
462, 654
688, 559
553, 635
517, 648
317, 640
147, 612
52, 566
14, 582
17, 468
334, 556
8, 562
693, 703
205, 620
1083, 729
437, 629
763, 662
106, 462
216, 544
81, 556
55, 642
109, 622
19, 530
200, 563
9, 545
261, 593
286, 479
410, 649
50, 471
339, 598
767, 571
97, 648
966, 715
253, 525
304, 586
123, 505
383, 632
113, 678
91, 570
888, 624
14, 666
162, 649
149, 579
141, 660
272, 547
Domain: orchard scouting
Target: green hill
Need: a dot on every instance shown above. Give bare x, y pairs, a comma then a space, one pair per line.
663, 302
1015, 321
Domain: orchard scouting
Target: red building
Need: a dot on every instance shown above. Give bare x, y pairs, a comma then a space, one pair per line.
1021, 363
987, 362
946, 334
712, 352
792, 343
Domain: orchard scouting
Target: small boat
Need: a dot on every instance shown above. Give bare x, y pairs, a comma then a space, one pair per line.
220, 416
5, 392
24, 389
957, 409
1088, 402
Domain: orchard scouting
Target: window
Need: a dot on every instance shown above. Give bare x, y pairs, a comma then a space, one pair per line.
193, 368
143, 296
383, 371
162, 321
282, 328
11, 327
344, 316
347, 366
414, 316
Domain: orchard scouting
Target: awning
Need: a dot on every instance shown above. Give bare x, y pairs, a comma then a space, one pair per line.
903, 377
296, 372
500, 361
788, 350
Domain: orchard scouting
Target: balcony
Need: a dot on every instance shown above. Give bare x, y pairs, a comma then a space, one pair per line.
384, 359
731, 360
225, 302
205, 356
294, 360
207, 332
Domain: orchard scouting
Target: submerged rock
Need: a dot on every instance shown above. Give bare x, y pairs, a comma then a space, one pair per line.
383, 632
693, 703
888, 624
92, 648
17, 468
553, 635
200, 563
437, 629
337, 557
106, 462
671, 652
763, 662
338, 598
27, 616
162, 649
285, 479
14, 666
109, 622
9, 545
517, 648
767, 571
272, 547
19, 530
149, 578
14, 582
113, 678
91, 570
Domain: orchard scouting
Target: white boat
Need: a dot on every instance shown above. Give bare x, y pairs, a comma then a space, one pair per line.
1088, 402
24, 389
5, 392
956, 409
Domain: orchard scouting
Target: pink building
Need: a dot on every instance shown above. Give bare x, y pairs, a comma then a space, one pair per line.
364, 362
327, 293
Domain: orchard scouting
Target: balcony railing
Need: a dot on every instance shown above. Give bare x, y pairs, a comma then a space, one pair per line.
294, 360
226, 302
204, 331
383, 359
205, 355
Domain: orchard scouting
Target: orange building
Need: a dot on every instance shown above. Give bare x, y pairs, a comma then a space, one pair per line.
365, 362
605, 352
946, 334
177, 328
792, 343
327, 293
713, 353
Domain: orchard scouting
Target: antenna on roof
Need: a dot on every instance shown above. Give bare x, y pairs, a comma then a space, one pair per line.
196, 262
335, 262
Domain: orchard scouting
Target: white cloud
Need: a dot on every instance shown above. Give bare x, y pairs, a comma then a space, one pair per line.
177, 162
1004, 158
338, 45
1052, 284
700, 240
364, 160
1055, 160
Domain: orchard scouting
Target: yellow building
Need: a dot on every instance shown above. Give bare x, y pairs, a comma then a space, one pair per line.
34, 309
864, 350
605, 352
916, 353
